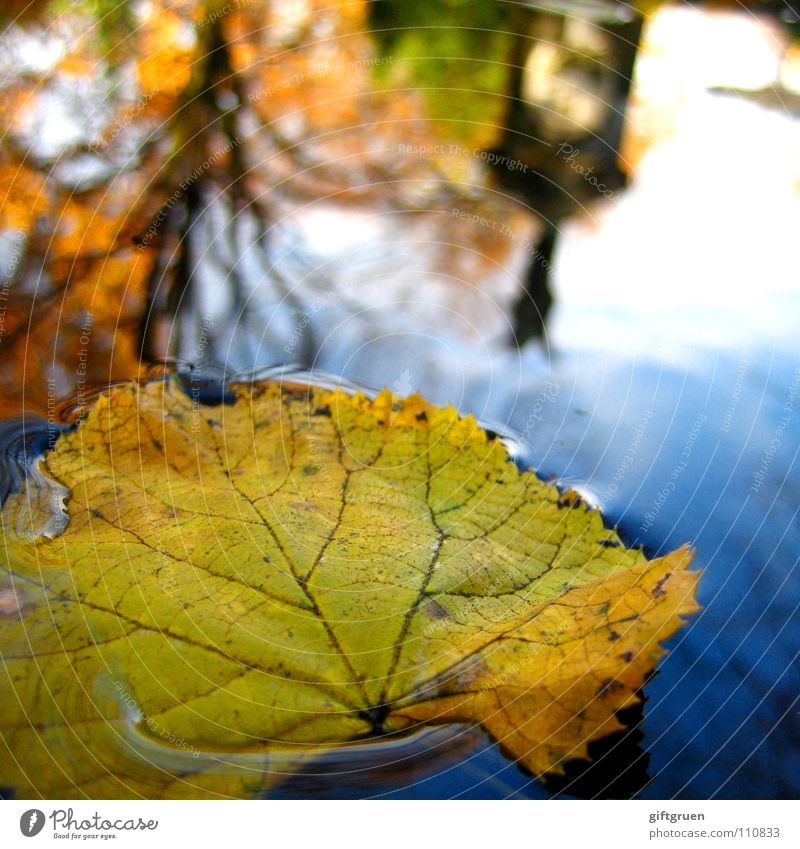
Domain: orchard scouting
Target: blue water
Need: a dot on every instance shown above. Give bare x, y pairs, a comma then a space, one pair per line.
722, 716
668, 394
670, 397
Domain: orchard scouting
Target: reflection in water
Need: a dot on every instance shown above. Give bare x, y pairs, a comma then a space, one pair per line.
343, 770
377, 768
33, 503
669, 397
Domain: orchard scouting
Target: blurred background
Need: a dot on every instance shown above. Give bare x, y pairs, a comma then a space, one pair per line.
575, 219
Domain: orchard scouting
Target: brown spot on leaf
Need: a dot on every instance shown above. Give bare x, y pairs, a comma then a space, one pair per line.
608, 687
659, 590
570, 500
434, 610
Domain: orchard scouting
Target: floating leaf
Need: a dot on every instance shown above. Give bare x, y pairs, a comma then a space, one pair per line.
240, 584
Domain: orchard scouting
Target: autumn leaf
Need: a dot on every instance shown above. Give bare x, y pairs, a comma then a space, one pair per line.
237, 585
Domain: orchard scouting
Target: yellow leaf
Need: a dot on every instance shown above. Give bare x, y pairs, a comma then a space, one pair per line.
240, 584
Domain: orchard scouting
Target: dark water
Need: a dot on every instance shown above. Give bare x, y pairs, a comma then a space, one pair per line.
722, 717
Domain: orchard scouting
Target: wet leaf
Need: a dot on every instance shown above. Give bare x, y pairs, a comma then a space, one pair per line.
240, 584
